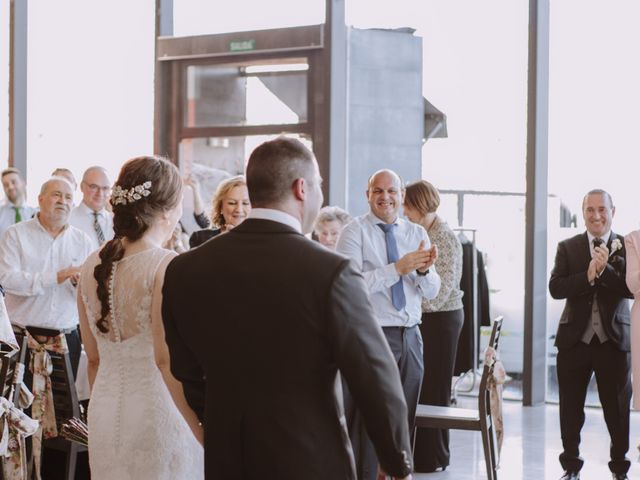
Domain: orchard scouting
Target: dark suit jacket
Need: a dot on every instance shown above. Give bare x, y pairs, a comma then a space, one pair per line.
258, 321
198, 237
569, 280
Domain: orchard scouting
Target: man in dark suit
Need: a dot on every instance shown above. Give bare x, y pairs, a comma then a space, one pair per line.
593, 335
259, 320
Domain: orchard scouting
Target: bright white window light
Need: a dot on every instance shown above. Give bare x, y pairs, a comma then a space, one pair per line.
287, 67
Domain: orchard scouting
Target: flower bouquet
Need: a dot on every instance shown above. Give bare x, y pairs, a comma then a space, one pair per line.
75, 430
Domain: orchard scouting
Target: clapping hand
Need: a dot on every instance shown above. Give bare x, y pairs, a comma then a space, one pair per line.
70, 273
433, 256
601, 256
598, 262
192, 182
420, 259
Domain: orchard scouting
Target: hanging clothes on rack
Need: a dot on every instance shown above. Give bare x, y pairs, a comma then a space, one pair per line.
464, 357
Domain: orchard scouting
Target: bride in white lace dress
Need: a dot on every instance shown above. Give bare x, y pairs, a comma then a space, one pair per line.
140, 425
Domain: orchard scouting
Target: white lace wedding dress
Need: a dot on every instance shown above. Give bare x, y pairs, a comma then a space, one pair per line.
135, 429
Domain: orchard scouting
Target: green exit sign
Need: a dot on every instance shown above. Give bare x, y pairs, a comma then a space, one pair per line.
242, 45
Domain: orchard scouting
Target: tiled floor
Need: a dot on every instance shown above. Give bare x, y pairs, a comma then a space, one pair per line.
532, 445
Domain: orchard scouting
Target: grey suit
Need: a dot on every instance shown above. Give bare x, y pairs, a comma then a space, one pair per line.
258, 321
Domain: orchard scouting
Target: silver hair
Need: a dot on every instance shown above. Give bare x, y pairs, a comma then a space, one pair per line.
330, 214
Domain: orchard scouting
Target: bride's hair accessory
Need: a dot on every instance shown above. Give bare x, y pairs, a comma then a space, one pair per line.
125, 196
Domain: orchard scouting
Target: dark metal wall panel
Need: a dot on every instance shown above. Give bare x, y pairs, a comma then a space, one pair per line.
161, 80
257, 41
18, 32
335, 52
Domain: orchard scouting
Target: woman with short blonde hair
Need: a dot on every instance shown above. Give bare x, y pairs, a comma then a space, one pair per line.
230, 206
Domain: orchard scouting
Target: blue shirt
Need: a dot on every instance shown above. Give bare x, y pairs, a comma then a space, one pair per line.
363, 242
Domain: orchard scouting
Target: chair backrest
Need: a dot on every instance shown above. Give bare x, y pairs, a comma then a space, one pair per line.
484, 399
8, 360
65, 396
21, 338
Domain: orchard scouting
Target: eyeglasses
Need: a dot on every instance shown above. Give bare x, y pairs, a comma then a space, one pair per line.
93, 188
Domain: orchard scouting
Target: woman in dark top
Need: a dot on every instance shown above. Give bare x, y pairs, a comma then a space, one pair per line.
230, 207
442, 320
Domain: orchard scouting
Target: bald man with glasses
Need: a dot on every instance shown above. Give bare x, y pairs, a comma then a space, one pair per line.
91, 216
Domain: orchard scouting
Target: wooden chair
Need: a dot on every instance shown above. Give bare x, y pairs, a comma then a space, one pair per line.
429, 416
65, 399
21, 338
8, 360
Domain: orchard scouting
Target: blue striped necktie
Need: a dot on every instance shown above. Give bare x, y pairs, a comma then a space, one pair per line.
397, 290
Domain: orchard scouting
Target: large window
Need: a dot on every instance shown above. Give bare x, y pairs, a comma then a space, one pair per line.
475, 71
594, 103
90, 86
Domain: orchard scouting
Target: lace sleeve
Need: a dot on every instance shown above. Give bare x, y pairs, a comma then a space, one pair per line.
449, 267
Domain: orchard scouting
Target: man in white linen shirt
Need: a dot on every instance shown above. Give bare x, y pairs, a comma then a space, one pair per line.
14, 209
396, 259
40, 263
91, 216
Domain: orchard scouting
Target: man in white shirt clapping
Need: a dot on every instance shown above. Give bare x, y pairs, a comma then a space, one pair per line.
396, 260
91, 216
40, 262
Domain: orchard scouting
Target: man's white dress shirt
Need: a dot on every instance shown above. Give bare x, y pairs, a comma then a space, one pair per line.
30, 259
363, 241
8, 214
82, 217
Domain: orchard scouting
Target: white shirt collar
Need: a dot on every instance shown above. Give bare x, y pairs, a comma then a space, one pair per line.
276, 216
85, 208
375, 220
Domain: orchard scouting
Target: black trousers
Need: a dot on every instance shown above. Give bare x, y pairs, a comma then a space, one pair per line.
440, 332
406, 346
612, 370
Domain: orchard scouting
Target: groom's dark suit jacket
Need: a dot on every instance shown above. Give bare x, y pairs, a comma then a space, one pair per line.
569, 281
258, 321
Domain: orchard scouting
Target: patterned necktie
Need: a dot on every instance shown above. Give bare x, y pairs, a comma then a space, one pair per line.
18, 216
98, 228
397, 291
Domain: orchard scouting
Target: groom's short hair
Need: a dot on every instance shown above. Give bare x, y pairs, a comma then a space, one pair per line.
273, 167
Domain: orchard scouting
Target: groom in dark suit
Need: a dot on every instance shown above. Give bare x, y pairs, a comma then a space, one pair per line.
593, 334
259, 320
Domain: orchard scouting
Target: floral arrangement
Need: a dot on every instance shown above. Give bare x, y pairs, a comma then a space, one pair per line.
76, 430
616, 245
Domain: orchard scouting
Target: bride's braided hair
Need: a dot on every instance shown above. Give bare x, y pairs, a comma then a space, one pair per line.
132, 217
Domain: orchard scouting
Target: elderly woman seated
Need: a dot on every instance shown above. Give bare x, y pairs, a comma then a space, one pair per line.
328, 225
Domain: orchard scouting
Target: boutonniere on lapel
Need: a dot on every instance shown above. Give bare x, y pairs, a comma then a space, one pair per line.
616, 245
